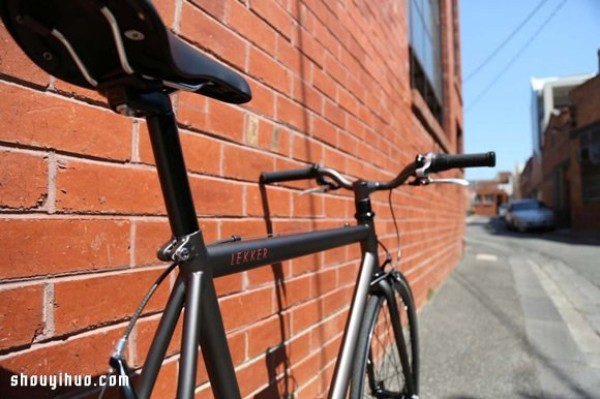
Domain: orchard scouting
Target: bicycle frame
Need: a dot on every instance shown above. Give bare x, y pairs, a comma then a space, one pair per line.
199, 264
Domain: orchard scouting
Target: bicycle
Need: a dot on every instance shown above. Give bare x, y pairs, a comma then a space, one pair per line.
136, 63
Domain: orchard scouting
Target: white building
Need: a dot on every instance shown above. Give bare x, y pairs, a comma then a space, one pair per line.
549, 94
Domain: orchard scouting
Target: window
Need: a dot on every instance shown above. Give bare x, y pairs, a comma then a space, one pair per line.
426, 53
489, 199
589, 155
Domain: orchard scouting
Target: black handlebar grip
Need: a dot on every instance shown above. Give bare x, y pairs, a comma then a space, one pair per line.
289, 175
441, 162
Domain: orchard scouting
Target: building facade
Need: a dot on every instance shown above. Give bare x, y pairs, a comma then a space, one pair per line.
360, 87
585, 156
571, 159
488, 195
548, 95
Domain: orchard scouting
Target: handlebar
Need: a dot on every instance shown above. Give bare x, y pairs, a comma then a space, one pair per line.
310, 172
441, 162
420, 168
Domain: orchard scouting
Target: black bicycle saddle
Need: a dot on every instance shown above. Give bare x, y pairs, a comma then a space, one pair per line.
101, 43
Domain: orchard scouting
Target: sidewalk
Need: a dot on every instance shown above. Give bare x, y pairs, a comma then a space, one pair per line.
501, 327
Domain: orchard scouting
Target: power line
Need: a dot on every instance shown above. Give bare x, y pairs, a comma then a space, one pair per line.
505, 42
517, 55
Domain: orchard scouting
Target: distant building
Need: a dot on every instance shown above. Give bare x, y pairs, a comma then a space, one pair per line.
488, 195
530, 179
570, 156
585, 156
549, 94
557, 165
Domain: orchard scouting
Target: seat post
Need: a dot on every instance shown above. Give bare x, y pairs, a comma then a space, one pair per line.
157, 108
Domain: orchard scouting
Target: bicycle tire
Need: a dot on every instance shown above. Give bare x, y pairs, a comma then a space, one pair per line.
378, 371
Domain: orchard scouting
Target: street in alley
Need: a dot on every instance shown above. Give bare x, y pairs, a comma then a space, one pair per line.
519, 317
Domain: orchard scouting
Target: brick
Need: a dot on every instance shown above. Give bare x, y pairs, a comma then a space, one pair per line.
217, 197
216, 9
105, 188
252, 377
323, 83
298, 290
277, 200
305, 315
306, 369
166, 10
308, 96
329, 329
199, 28
263, 99
245, 228
311, 47
21, 315
192, 111
226, 120
143, 334
322, 35
74, 245
79, 355
347, 101
239, 310
166, 385
274, 15
335, 159
308, 206
292, 113
268, 275
267, 70
247, 24
14, 62
323, 130
229, 284
202, 153
149, 237
23, 180
335, 114
245, 164
82, 303
306, 149
267, 334
275, 137
70, 90
290, 56
42, 120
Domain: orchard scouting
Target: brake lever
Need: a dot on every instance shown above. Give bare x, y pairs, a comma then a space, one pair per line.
460, 182
313, 190
324, 186
424, 181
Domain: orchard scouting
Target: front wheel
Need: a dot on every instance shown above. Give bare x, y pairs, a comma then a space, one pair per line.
387, 355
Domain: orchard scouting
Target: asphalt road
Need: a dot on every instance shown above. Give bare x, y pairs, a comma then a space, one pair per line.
518, 318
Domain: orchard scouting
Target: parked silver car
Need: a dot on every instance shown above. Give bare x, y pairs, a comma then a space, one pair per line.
528, 214
502, 210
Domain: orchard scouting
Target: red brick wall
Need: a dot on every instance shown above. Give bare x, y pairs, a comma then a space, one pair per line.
585, 215
555, 156
81, 214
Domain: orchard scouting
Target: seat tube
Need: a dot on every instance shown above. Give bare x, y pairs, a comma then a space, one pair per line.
170, 164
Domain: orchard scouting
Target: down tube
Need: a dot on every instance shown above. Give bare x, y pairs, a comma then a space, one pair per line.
343, 366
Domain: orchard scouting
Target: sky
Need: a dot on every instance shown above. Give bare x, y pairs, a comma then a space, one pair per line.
502, 49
